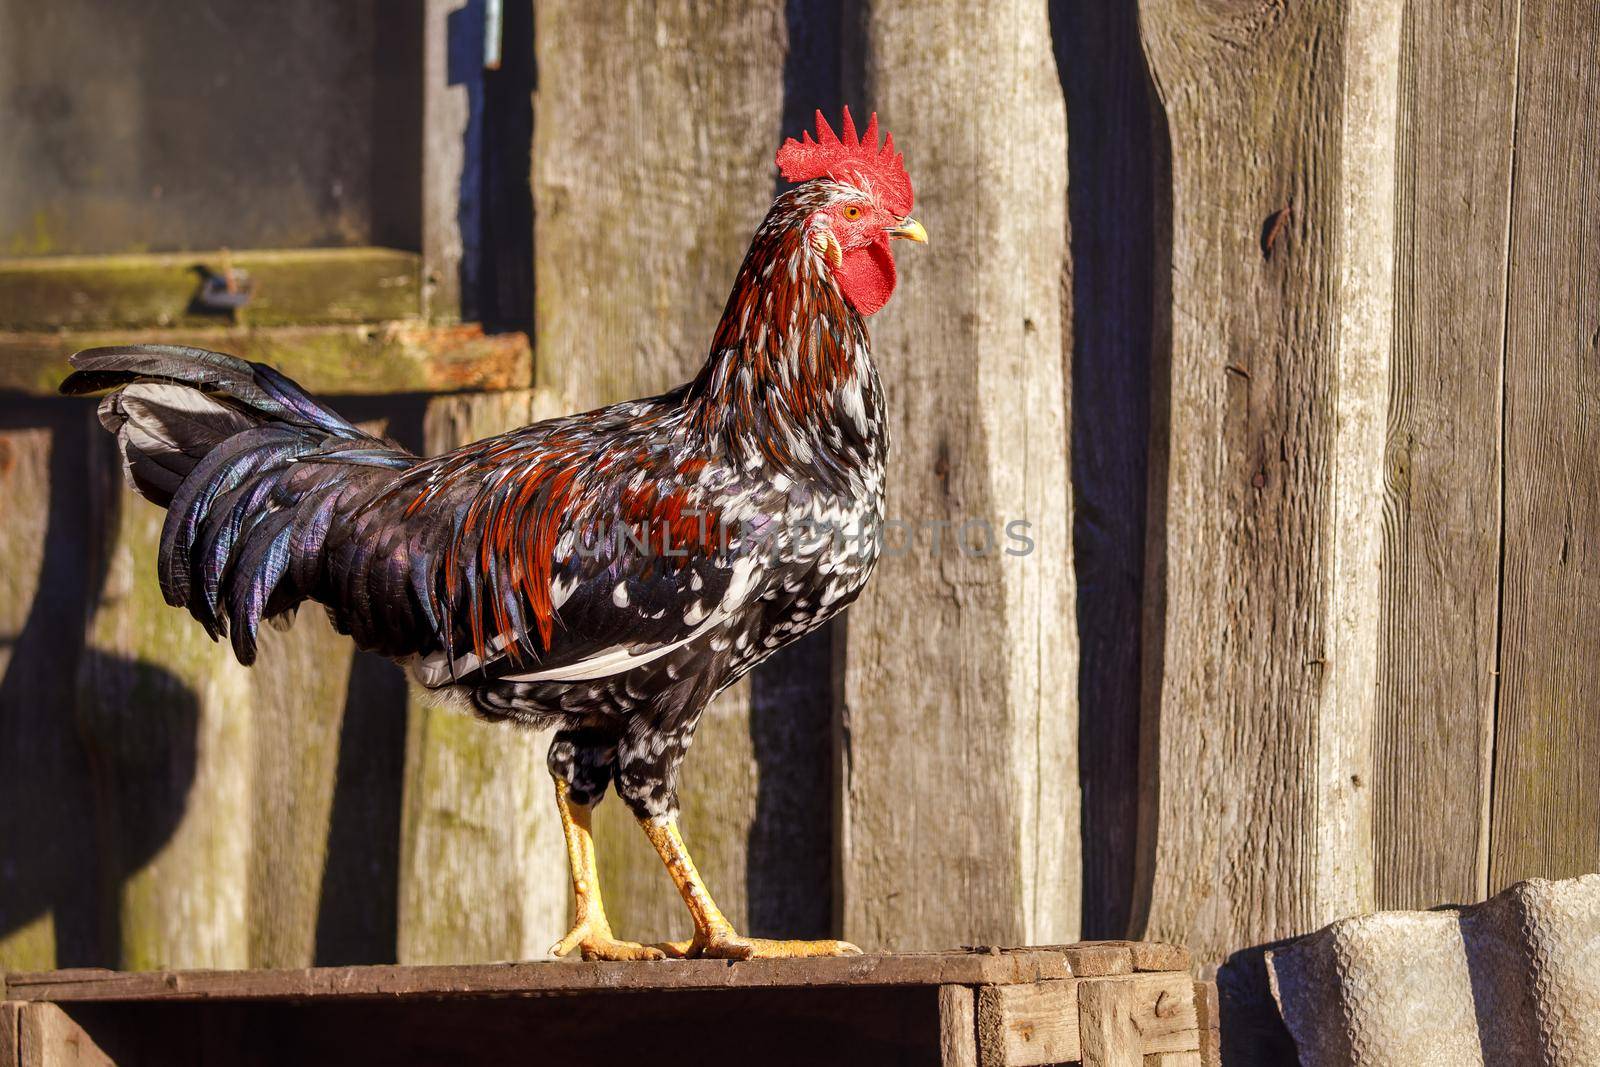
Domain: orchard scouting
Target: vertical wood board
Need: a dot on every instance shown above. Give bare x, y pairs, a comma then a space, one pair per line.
1546, 814
1441, 553
49, 914
960, 817
1262, 582
655, 130
483, 867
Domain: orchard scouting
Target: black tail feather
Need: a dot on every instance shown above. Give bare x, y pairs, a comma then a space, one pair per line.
219, 442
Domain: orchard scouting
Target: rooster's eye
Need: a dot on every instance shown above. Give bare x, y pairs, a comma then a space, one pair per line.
852, 212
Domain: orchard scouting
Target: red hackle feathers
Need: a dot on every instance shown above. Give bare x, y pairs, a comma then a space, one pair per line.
850, 158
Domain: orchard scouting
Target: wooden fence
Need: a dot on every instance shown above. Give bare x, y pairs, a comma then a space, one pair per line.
1279, 324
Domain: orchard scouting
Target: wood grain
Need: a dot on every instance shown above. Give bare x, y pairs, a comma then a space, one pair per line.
958, 1043
1032, 1024
1021, 966
9, 1037
383, 358
1546, 818
655, 130
299, 287
49, 914
166, 716
1263, 579
960, 817
482, 868
445, 116
49, 1037
1441, 547
1106, 1027
314, 700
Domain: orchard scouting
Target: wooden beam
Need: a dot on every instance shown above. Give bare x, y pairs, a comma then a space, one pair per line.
1028, 1024
642, 222
391, 357
10, 1038
959, 818
167, 714
1023, 966
958, 1029
1263, 586
483, 867
49, 1037
48, 898
324, 793
296, 287
1108, 1034
446, 110
1546, 819
1441, 547
1050, 1022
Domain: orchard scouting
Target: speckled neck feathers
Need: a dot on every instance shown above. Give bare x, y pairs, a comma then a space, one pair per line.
790, 378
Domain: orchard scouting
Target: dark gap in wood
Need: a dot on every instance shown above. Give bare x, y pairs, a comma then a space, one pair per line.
1111, 208
772, 1027
504, 296
1486, 871
789, 862
1153, 601
396, 124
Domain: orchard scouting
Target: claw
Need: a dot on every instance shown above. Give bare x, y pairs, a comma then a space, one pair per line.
598, 944
731, 946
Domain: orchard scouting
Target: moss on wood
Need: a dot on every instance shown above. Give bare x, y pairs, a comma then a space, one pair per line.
293, 287
391, 357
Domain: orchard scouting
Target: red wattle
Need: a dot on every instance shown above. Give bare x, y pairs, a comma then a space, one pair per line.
866, 277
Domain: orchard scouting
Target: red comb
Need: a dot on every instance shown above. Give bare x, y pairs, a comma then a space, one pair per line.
850, 158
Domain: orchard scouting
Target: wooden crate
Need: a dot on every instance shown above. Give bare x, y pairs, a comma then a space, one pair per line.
1116, 1004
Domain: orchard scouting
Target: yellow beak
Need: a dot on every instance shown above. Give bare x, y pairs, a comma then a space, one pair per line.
910, 229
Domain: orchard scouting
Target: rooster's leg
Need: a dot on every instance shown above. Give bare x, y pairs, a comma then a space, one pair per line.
581, 762
591, 931
714, 936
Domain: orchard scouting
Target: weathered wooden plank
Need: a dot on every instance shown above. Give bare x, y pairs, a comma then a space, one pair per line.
49, 913
285, 288
642, 221
1546, 819
393, 357
958, 1030
1021, 1025
1209, 1019
482, 869
960, 818
9, 1036
1028, 1024
308, 706
1265, 530
1019, 966
446, 116
297, 708
1441, 530
1108, 1035
166, 714
1097, 958
1093, 958
49, 1037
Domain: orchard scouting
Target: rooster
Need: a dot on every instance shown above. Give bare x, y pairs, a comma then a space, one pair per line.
605, 574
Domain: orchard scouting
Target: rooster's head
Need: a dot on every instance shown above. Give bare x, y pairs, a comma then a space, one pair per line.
863, 201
